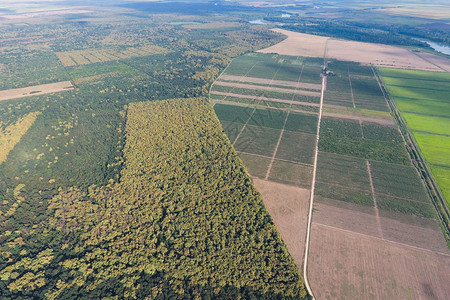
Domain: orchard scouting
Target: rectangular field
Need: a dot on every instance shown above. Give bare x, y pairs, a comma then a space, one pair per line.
258, 140
358, 266
90, 56
36, 90
422, 98
297, 147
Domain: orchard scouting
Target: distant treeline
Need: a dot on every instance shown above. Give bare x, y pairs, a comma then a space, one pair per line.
391, 34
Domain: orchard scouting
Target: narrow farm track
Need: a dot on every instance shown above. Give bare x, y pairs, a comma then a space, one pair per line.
375, 204
382, 239
311, 202
276, 148
254, 109
351, 87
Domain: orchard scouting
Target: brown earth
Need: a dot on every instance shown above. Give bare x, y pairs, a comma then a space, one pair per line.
301, 44
347, 265
263, 98
379, 121
439, 61
35, 90
377, 54
266, 88
288, 206
295, 84
298, 44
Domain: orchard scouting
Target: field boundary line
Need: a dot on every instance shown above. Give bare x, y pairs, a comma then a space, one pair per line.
243, 127
379, 194
212, 84
269, 168
209, 95
429, 61
375, 204
313, 183
416, 157
351, 87
276, 159
382, 239
255, 107
263, 98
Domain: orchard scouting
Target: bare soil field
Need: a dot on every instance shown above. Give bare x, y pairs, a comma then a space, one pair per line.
377, 54
414, 231
396, 227
302, 44
266, 88
295, 84
298, 44
439, 61
345, 215
88, 56
36, 90
263, 98
347, 265
384, 122
288, 206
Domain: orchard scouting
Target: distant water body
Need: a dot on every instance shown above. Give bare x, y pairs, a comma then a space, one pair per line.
439, 47
257, 22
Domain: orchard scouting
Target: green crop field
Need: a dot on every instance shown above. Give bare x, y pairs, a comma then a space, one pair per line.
256, 165
302, 122
423, 100
291, 173
343, 171
297, 146
342, 193
258, 140
431, 124
426, 107
398, 181
231, 129
233, 113
268, 118
404, 206
382, 133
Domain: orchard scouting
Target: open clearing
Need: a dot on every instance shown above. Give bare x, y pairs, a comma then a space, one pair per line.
377, 54
348, 265
35, 90
288, 206
89, 56
298, 44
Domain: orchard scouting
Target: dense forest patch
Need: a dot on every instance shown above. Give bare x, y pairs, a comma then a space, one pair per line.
184, 221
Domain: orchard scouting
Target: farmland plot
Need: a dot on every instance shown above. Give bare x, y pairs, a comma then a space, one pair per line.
267, 105
422, 98
368, 190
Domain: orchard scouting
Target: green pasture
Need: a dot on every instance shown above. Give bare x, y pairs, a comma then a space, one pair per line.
425, 107
442, 176
436, 125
